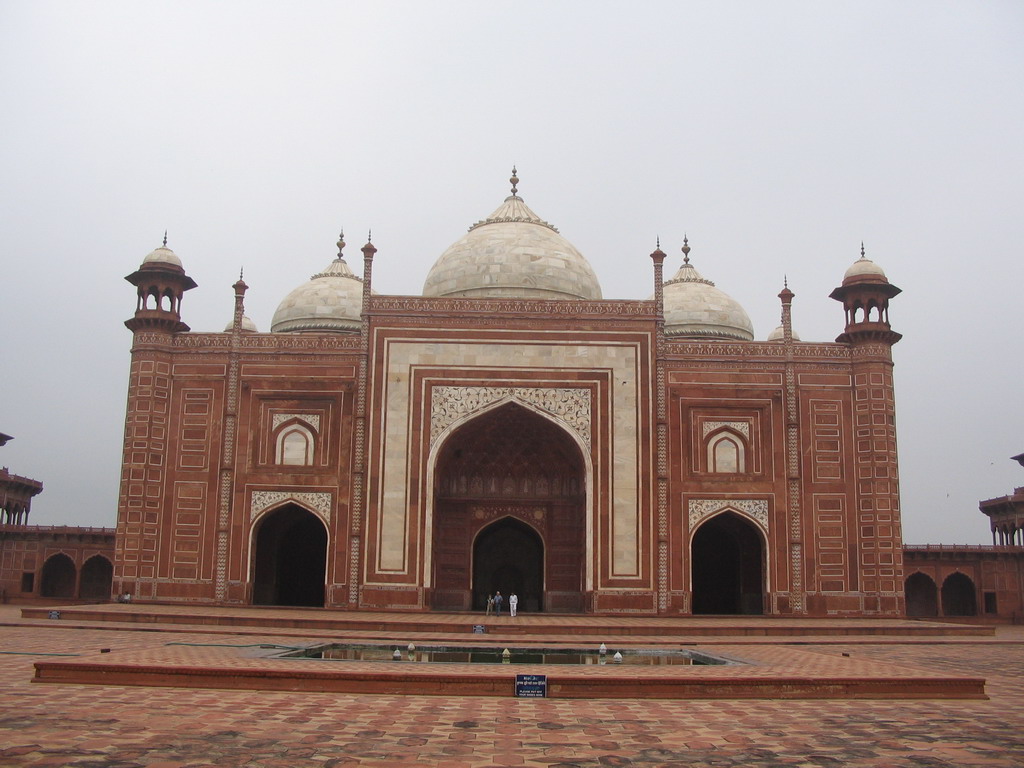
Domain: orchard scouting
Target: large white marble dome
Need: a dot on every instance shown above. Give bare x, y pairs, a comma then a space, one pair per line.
694, 307
332, 300
512, 253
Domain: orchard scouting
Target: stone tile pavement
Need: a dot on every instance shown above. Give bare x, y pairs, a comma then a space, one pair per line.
115, 727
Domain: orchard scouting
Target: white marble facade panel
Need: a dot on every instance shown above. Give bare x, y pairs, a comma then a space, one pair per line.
621, 361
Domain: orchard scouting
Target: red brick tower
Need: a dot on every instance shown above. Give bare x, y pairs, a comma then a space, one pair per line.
161, 282
865, 295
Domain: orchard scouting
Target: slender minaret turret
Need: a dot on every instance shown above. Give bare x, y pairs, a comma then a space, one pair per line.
161, 282
661, 428
865, 294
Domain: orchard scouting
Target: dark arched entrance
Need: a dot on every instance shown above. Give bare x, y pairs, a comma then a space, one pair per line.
509, 480
291, 559
958, 596
58, 578
728, 570
97, 577
509, 557
922, 596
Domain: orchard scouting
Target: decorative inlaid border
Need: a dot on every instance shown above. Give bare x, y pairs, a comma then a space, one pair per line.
449, 404
312, 419
320, 502
743, 427
756, 509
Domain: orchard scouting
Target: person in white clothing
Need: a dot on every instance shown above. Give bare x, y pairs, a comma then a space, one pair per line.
513, 603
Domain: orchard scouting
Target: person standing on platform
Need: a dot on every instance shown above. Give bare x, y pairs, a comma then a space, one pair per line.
490, 604
498, 600
513, 604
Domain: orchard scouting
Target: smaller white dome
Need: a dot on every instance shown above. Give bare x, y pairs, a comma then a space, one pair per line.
332, 300
778, 334
162, 255
694, 307
248, 326
865, 268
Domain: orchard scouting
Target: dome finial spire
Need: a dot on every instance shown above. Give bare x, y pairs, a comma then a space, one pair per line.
514, 181
686, 250
165, 238
862, 249
341, 243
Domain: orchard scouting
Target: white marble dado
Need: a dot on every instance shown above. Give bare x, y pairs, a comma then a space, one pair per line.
620, 442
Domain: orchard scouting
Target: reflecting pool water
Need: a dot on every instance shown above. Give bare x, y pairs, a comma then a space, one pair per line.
493, 655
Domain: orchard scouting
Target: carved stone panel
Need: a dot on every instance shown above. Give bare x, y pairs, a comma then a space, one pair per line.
755, 509
570, 406
319, 502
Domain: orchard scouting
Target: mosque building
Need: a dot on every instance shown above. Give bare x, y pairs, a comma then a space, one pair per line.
511, 429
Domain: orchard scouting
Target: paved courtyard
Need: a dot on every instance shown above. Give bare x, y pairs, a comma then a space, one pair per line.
124, 727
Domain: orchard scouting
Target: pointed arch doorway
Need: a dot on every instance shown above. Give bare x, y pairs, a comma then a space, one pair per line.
727, 557
508, 556
59, 576
509, 514
290, 562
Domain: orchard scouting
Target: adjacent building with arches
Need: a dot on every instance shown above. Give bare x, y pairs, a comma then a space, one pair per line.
957, 580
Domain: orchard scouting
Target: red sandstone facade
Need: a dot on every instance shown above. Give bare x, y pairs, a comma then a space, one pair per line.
569, 450
592, 455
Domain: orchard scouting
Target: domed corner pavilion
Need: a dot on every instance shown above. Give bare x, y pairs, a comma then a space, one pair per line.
512, 429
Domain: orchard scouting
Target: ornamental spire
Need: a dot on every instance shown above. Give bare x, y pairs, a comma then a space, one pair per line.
514, 181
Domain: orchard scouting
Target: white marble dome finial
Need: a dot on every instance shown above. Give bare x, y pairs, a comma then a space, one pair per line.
330, 301
695, 308
163, 255
864, 270
513, 253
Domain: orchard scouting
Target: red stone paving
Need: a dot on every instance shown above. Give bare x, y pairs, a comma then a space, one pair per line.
123, 727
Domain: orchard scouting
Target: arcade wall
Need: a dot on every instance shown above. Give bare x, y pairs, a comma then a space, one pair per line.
55, 562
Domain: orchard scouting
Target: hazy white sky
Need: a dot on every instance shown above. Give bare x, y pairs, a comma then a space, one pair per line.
778, 136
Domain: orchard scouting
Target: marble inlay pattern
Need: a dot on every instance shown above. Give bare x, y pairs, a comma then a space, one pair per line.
755, 509
571, 406
319, 502
312, 419
742, 427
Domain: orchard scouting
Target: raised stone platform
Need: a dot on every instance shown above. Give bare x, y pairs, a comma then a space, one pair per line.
241, 647
524, 627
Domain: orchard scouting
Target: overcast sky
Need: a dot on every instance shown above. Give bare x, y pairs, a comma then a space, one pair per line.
778, 136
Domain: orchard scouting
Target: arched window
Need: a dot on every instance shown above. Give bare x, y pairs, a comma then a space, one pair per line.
726, 453
295, 445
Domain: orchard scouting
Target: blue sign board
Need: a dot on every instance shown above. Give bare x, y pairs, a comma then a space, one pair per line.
532, 686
